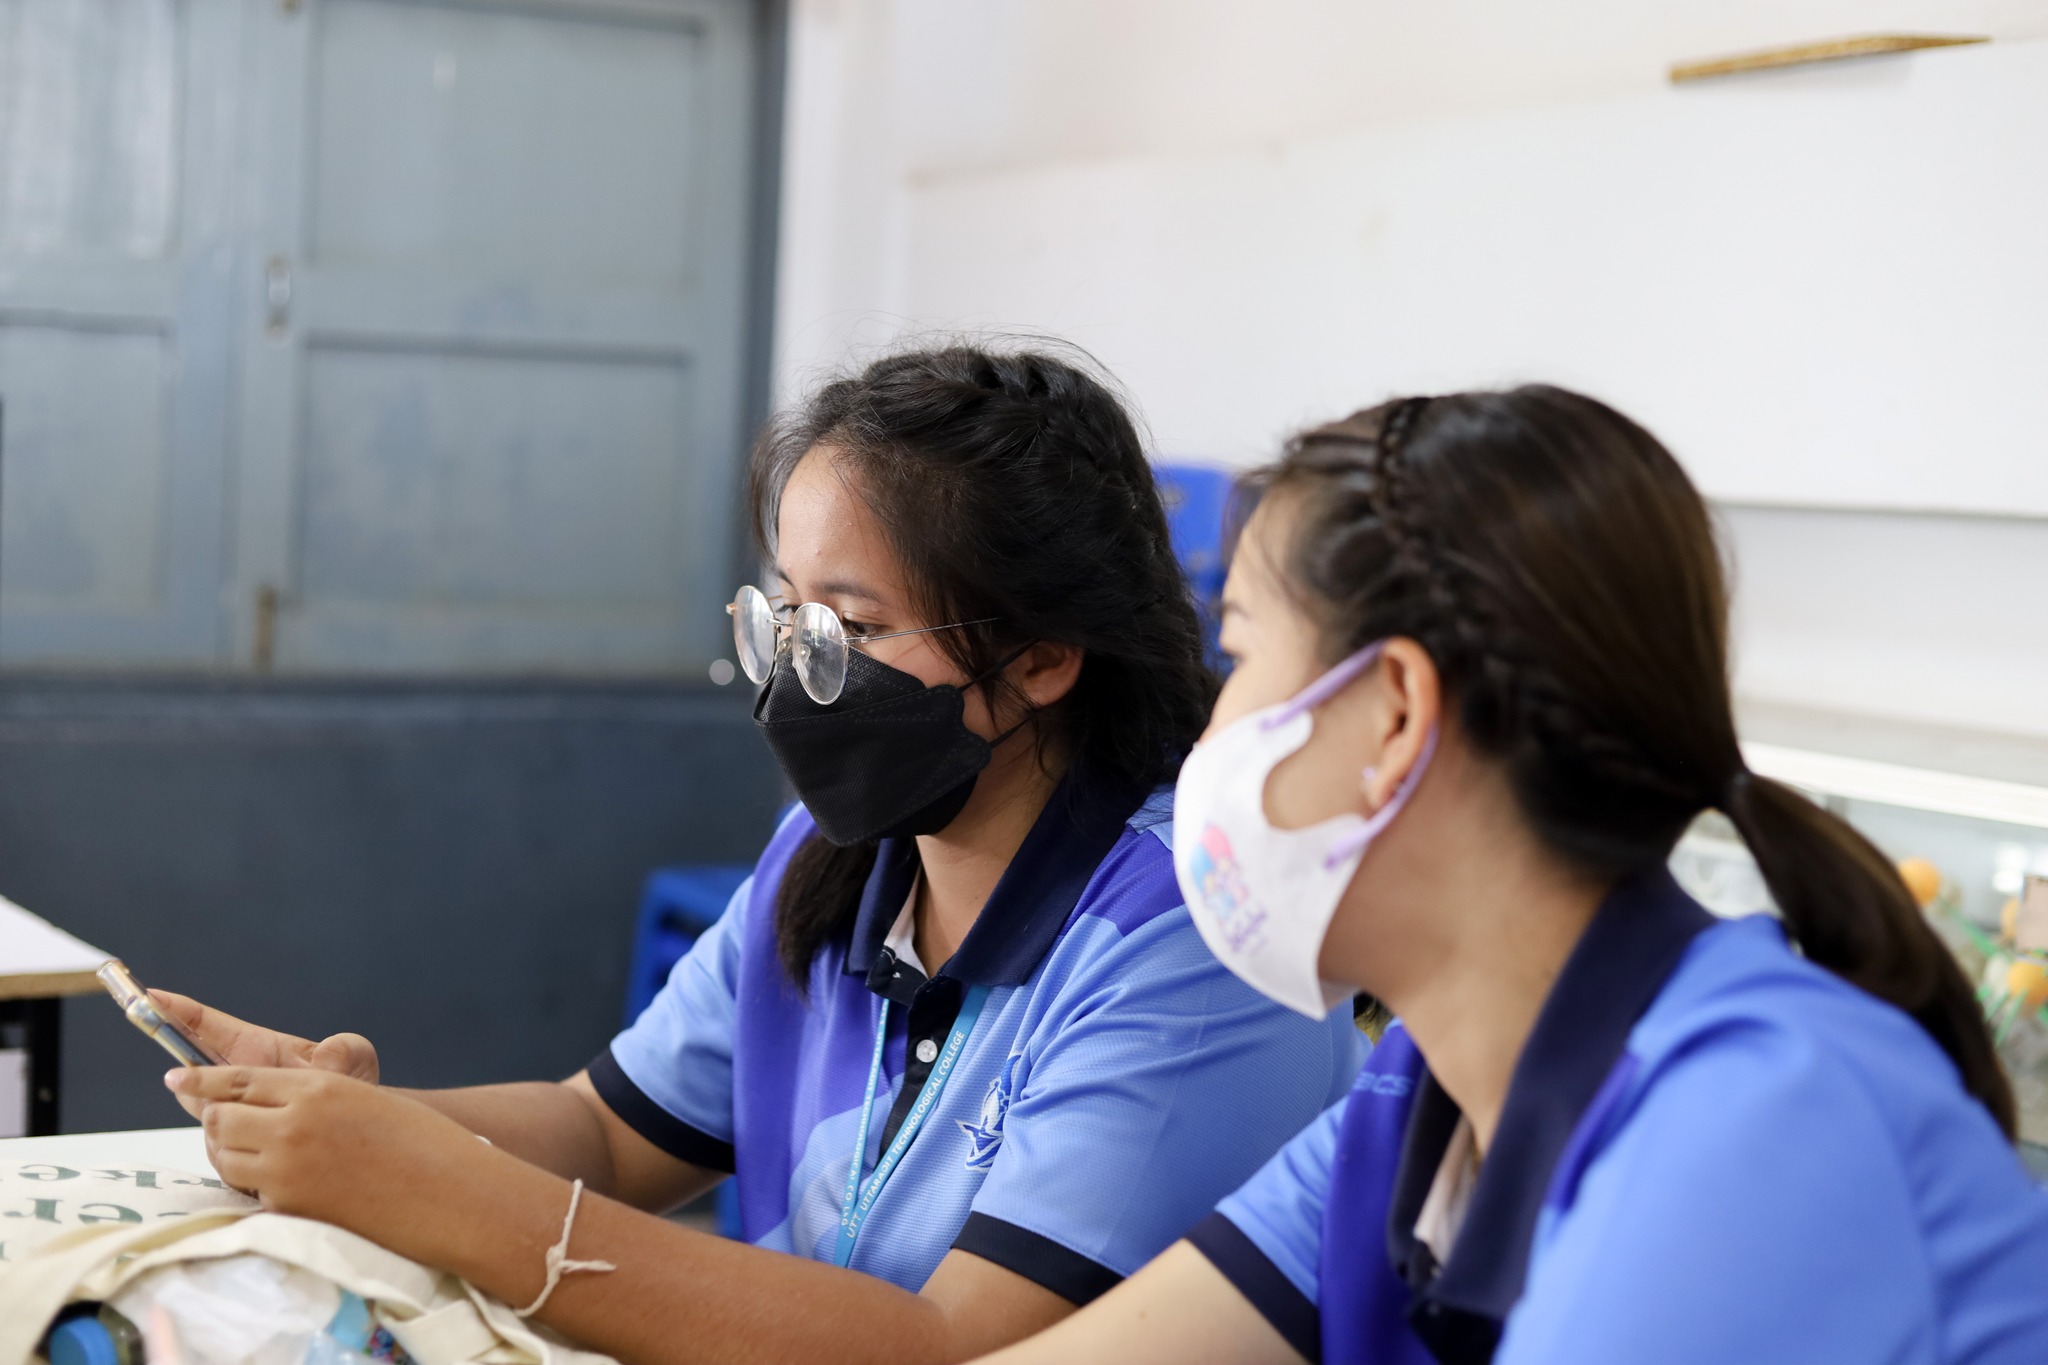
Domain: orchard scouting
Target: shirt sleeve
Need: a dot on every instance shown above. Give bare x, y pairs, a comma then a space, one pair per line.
1279, 1211
1165, 1086
1752, 1208
1267, 1237
669, 1075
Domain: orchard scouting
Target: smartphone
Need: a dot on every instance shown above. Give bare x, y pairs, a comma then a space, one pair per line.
143, 1013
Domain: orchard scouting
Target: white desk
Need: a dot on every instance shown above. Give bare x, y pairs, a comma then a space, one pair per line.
175, 1149
39, 963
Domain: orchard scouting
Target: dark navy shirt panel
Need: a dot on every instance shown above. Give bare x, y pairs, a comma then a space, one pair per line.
1264, 1285
683, 1141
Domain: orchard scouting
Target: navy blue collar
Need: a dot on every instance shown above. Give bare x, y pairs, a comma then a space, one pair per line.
1038, 891
1615, 971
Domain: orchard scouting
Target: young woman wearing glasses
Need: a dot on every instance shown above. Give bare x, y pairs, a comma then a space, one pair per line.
957, 1036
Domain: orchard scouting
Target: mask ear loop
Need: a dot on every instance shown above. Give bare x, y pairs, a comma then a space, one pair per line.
1322, 689
987, 673
1315, 694
1384, 816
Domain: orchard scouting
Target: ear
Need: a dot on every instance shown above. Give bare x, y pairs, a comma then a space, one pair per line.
1411, 705
1045, 672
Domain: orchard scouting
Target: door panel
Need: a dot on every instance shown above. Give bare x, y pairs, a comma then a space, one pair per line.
116, 258
521, 506
527, 146
372, 335
87, 413
88, 143
494, 423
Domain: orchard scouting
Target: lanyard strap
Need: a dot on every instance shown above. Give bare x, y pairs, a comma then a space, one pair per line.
853, 1211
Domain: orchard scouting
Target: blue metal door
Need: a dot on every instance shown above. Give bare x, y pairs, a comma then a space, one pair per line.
372, 335
491, 403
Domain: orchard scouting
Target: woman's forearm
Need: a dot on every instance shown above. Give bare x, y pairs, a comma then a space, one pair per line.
408, 1173
677, 1295
1179, 1310
568, 1129
541, 1122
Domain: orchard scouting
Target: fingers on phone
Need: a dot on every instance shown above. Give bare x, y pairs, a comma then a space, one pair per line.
181, 1008
190, 1017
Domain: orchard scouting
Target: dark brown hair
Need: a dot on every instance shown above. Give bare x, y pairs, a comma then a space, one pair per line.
1561, 570
1014, 489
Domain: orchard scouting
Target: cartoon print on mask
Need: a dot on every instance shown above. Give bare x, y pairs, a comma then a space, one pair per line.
1216, 870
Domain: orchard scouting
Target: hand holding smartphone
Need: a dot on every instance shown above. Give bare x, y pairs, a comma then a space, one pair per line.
143, 1013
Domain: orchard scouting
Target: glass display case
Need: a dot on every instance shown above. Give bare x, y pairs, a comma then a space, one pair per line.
1965, 816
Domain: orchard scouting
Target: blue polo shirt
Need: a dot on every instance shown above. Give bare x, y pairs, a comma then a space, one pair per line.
1117, 1083
1711, 1151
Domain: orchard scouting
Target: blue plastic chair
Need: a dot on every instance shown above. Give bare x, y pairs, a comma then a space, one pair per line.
1197, 497
676, 906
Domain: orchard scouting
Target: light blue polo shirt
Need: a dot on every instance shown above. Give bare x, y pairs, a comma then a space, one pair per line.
1711, 1151
1117, 1083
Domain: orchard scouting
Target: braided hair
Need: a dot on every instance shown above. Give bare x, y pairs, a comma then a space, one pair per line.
1561, 571
1014, 489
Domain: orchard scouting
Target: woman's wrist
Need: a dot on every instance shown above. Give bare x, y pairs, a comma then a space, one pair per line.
489, 1218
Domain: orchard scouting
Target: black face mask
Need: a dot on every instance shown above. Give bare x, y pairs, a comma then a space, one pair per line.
888, 760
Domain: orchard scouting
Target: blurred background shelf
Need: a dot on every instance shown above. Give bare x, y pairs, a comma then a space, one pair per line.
1967, 808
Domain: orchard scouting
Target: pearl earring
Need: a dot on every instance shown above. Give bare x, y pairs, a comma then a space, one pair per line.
1365, 780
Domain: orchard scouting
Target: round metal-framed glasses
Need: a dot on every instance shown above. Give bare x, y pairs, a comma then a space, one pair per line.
813, 636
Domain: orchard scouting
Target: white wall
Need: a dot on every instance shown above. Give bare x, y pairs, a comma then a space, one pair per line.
1822, 288
1935, 618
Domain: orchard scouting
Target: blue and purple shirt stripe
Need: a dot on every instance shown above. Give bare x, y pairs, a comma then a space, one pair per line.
1118, 1082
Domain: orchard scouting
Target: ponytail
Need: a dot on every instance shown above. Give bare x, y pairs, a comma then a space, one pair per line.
1849, 912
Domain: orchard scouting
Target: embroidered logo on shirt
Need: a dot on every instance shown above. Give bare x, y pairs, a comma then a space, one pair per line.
985, 1136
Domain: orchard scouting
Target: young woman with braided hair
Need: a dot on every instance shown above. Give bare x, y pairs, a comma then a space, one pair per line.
1481, 690
957, 1035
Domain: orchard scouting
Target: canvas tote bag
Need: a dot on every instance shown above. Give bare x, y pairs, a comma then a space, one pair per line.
85, 1248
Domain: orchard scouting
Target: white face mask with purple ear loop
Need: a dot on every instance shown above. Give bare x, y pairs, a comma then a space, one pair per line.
1263, 897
